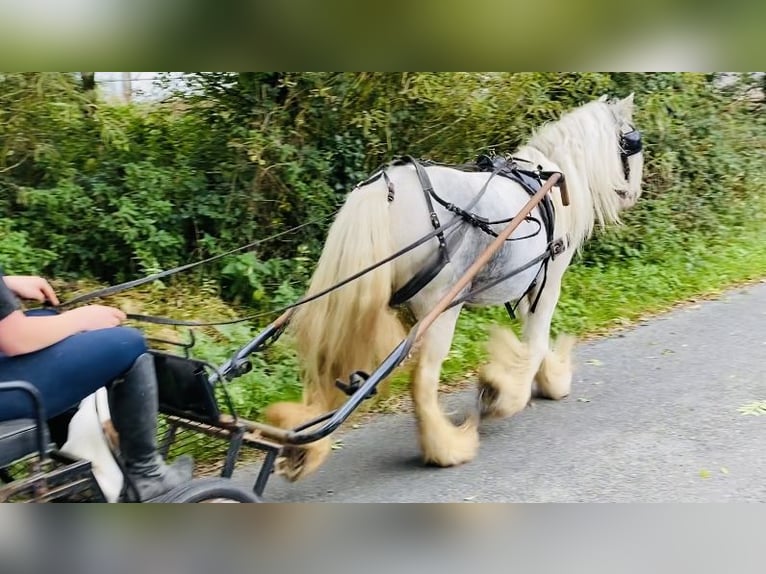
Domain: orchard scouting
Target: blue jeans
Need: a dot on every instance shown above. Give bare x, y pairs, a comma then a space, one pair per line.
70, 370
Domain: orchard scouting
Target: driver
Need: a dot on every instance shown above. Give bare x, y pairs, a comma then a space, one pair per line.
70, 355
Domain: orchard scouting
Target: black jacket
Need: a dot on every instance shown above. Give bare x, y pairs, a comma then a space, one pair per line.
8, 301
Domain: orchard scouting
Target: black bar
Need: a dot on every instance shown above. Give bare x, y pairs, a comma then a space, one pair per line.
167, 439
235, 443
254, 345
37, 403
266, 469
397, 356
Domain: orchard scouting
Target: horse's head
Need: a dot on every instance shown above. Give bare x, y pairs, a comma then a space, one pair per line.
599, 151
630, 149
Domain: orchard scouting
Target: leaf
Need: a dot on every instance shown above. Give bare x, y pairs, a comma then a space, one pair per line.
755, 408
594, 362
583, 400
704, 473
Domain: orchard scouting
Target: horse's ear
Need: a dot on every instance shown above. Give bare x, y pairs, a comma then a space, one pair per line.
624, 107
603, 98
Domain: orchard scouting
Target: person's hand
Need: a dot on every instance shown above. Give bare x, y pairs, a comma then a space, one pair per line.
92, 317
31, 287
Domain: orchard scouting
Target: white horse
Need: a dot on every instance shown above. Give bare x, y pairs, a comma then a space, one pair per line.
88, 438
354, 328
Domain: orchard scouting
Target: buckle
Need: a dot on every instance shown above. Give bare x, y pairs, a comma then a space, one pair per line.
355, 382
557, 247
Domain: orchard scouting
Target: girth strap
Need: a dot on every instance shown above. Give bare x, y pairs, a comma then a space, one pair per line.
554, 248
427, 274
531, 182
420, 280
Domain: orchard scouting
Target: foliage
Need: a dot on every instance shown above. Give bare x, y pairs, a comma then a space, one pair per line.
18, 257
239, 156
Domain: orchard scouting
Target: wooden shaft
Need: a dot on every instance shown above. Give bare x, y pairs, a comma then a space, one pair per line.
279, 321
484, 258
564, 192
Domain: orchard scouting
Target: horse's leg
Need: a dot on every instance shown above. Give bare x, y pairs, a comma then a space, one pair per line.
554, 375
506, 381
442, 443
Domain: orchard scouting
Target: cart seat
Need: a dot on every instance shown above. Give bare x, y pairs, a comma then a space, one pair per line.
18, 438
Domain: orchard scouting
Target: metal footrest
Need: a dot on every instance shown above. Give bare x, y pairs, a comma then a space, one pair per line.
217, 449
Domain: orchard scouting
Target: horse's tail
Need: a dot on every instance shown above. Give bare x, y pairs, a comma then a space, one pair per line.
351, 328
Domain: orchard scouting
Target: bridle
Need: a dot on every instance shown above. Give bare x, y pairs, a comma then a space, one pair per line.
630, 144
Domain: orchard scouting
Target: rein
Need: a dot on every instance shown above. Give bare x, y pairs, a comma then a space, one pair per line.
437, 232
184, 323
114, 289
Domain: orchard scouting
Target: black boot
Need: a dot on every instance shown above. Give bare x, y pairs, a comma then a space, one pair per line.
133, 404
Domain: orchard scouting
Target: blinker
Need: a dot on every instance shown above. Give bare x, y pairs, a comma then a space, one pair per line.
630, 143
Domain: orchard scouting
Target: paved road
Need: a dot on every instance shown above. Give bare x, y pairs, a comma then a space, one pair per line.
653, 417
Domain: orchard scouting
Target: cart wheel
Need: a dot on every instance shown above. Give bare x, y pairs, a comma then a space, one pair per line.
220, 490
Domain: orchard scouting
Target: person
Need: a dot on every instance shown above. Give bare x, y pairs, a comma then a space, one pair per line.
69, 355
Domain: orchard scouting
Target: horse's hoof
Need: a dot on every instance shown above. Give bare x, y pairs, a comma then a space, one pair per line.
291, 462
455, 446
296, 462
493, 404
488, 397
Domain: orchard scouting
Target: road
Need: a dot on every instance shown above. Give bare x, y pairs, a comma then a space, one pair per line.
654, 416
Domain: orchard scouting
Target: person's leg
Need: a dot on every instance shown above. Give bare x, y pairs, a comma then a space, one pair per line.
69, 371
133, 404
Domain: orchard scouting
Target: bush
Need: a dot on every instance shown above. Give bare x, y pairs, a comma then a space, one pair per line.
18, 257
117, 191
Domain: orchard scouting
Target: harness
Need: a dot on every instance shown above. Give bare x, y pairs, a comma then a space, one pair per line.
530, 180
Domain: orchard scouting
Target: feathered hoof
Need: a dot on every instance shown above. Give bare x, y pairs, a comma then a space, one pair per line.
296, 462
554, 379
505, 383
494, 403
451, 446
488, 399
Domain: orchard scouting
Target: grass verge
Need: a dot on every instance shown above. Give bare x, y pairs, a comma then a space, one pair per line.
598, 301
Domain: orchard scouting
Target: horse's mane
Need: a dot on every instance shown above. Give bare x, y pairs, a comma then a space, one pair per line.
584, 145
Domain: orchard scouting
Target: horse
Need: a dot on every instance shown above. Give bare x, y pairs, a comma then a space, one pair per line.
596, 148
